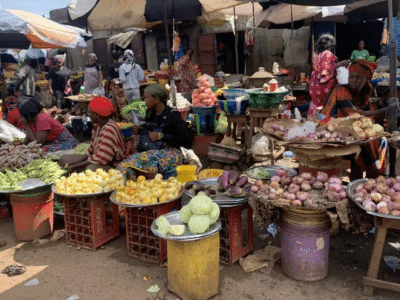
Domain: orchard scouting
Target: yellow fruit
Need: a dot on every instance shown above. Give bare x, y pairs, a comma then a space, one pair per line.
141, 178
159, 177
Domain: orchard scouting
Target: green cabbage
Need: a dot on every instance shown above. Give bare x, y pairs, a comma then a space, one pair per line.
185, 213
177, 229
199, 224
214, 214
201, 205
162, 225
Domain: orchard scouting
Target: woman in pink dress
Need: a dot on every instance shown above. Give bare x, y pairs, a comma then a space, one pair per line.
188, 72
323, 77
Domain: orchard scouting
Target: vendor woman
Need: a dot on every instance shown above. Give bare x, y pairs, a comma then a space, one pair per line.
41, 128
160, 138
107, 147
355, 97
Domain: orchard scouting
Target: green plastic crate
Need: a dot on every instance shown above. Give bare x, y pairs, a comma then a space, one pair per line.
261, 99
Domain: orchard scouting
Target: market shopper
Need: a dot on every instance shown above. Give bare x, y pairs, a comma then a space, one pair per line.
93, 75
356, 98
59, 79
42, 129
188, 72
323, 77
130, 74
113, 69
219, 80
360, 53
163, 134
26, 78
107, 146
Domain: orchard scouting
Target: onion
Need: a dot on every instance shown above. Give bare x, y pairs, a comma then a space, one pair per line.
259, 182
335, 180
281, 128
381, 204
275, 126
290, 196
359, 188
358, 199
296, 203
376, 197
254, 189
391, 192
369, 186
308, 203
275, 178
264, 188
342, 194
279, 192
384, 211
302, 196
294, 188
313, 180
333, 196
297, 180
270, 130
396, 187
398, 178
395, 213
396, 205
334, 135
382, 188
306, 187
318, 134
306, 176
391, 181
272, 196
381, 179
286, 180
335, 187
386, 198
369, 205
275, 185
281, 172
322, 176
396, 197
318, 185
372, 181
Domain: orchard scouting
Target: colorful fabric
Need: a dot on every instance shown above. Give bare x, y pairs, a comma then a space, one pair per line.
107, 144
365, 68
46, 123
102, 106
323, 77
339, 104
157, 90
188, 73
153, 161
364, 54
64, 141
13, 118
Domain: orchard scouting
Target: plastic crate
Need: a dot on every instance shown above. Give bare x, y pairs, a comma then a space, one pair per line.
88, 224
141, 243
237, 233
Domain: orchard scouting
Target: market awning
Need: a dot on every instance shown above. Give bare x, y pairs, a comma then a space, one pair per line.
122, 39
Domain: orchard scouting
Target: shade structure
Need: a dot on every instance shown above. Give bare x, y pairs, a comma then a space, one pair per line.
8, 56
19, 29
318, 2
123, 39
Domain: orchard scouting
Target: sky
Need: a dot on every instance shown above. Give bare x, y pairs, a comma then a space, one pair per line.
40, 7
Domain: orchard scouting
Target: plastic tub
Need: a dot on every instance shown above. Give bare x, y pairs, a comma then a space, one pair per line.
33, 215
127, 132
186, 173
234, 107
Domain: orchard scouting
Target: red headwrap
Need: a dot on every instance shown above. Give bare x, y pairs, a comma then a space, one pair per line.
102, 106
365, 68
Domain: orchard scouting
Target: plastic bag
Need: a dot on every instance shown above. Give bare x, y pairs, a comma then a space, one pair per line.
190, 158
260, 144
342, 75
99, 91
8, 132
222, 124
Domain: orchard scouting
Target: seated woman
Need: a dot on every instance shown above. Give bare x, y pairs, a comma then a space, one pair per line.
13, 113
160, 138
355, 97
42, 128
107, 147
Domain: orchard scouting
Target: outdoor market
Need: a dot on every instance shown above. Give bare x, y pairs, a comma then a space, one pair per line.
198, 149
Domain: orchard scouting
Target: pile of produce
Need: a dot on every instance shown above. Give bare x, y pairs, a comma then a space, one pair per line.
381, 195
13, 157
364, 127
137, 105
149, 191
181, 102
199, 214
204, 96
124, 125
89, 182
81, 148
229, 183
301, 190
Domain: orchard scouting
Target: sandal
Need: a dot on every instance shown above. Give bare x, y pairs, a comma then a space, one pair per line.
14, 270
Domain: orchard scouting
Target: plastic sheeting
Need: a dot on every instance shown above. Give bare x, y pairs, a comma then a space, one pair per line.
122, 39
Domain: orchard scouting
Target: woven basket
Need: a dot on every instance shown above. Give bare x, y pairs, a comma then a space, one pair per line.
261, 99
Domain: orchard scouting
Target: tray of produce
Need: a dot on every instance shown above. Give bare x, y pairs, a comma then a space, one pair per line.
196, 220
378, 197
267, 172
303, 191
36, 174
228, 189
147, 192
88, 184
14, 157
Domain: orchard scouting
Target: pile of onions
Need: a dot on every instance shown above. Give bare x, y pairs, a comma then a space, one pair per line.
296, 190
381, 195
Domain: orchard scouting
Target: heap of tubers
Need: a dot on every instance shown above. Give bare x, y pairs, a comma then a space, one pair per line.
14, 157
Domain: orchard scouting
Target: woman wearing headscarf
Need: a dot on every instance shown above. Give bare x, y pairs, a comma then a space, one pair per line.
107, 146
130, 74
355, 97
323, 77
59, 78
42, 128
93, 76
160, 138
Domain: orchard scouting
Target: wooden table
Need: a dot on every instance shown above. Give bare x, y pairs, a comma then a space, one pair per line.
234, 121
371, 281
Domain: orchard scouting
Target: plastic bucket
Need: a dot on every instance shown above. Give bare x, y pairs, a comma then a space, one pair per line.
186, 173
305, 244
33, 216
205, 124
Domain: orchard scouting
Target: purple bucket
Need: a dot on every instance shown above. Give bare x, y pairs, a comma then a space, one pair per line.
305, 244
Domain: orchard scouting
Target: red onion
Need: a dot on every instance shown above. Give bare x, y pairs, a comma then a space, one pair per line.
396, 205
313, 180
335, 187
275, 126
396, 197
270, 130
302, 196
259, 182
391, 181
272, 196
281, 172
358, 199
286, 180
333, 196
297, 180
306, 176
290, 196
308, 203
369, 205
322, 176
305, 187
264, 188
275, 185
384, 210
359, 188
396, 187
382, 188
391, 192
279, 192
312, 136
395, 213
372, 181
398, 178
381, 204
381, 179
281, 128
318, 185
369, 186
294, 188
254, 189
335, 180
342, 194
296, 203
386, 198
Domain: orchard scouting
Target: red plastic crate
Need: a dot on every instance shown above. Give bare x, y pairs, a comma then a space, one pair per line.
88, 224
141, 243
232, 235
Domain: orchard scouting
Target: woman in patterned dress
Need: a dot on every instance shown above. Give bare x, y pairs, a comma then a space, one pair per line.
188, 72
323, 77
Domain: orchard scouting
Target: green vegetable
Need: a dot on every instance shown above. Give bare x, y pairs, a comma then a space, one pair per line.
201, 205
185, 213
137, 105
199, 224
162, 225
177, 229
81, 148
214, 214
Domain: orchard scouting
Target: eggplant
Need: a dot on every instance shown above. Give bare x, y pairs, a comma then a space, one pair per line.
212, 192
225, 180
219, 184
246, 189
235, 191
233, 177
198, 186
188, 185
242, 181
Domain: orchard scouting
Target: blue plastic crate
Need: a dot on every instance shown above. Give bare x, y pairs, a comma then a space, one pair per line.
234, 107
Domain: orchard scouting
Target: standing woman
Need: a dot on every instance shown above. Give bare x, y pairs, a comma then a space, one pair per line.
93, 77
59, 78
323, 77
188, 72
130, 74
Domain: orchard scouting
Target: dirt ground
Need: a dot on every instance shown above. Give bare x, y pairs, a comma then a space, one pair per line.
109, 273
